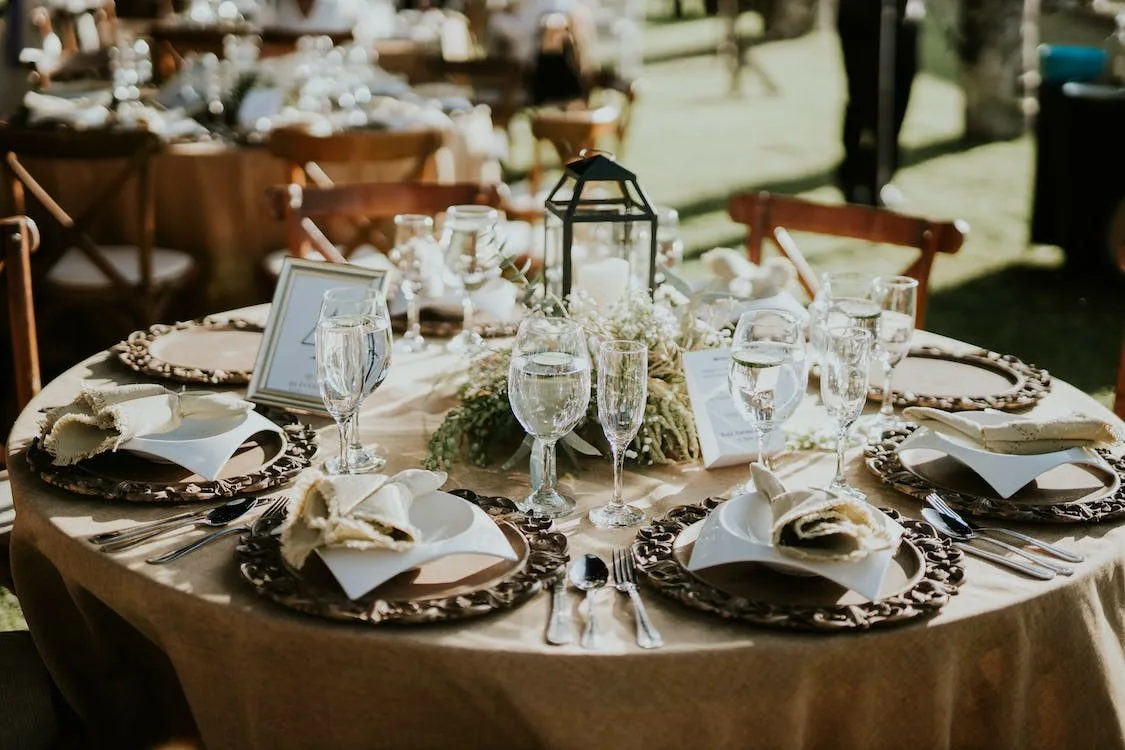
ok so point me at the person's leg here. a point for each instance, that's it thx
(906, 66)
(857, 23)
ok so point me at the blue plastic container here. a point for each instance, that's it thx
(1061, 64)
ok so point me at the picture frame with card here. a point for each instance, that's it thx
(285, 371)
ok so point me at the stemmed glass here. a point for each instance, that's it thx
(843, 298)
(364, 309)
(414, 237)
(472, 251)
(622, 394)
(898, 298)
(549, 390)
(843, 388)
(767, 375)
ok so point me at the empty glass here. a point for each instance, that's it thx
(846, 359)
(622, 394)
(414, 238)
(365, 309)
(471, 245)
(340, 355)
(549, 391)
(897, 296)
(844, 298)
(767, 375)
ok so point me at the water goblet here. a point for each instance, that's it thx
(549, 391)
(469, 240)
(622, 394)
(767, 374)
(843, 388)
(897, 296)
(364, 308)
(414, 238)
(340, 354)
(843, 298)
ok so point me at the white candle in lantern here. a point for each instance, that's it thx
(605, 281)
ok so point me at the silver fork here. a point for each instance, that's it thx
(275, 512)
(625, 580)
(941, 506)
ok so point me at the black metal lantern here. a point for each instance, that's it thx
(599, 198)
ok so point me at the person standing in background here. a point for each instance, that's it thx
(859, 24)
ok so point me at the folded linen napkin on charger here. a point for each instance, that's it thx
(1023, 436)
(818, 525)
(100, 419)
(358, 511)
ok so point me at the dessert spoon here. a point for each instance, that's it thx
(589, 573)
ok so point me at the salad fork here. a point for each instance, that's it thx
(937, 503)
(271, 516)
(625, 581)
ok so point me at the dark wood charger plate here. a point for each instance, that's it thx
(450, 588)
(1072, 493)
(211, 351)
(925, 573)
(971, 381)
(266, 460)
(437, 326)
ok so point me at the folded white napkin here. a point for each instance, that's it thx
(356, 511)
(745, 279)
(1023, 436)
(818, 525)
(101, 419)
(85, 112)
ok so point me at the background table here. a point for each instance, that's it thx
(143, 651)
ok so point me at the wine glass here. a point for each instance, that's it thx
(365, 308)
(767, 375)
(843, 298)
(340, 353)
(897, 296)
(414, 237)
(843, 388)
(622, 394)
(472, 251)
(549, 390)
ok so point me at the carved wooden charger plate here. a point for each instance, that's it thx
(924, 574)
(214, 351)
(265, 460)
(1072, 493)
(435, 326)
(450, 588)
(972, 381)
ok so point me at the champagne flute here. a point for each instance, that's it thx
(549, 391)
(767, 375)
(366, 308)
(340, 353)
(843, 298)
(898, 298)
(414, 237)
(843, 388)
(622, 395)
(472, 252)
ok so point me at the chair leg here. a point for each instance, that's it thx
(1119, 398)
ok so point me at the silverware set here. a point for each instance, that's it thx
(588, 574)
(950, 523)
(218, 518)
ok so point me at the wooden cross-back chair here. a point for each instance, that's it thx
(19, 238)
(81, 35)
(498, 82)
(138, 280)
(569, 131)
(773, 216)
(302, 207)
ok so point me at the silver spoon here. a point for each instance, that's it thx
(964, 533)
(180, 520)
(589, 573)
(1034, 570)
(215, 518)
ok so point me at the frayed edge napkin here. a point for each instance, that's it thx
(1023, 436)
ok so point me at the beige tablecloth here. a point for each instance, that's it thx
(144, 652)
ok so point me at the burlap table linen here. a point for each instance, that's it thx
(210, 201)
(144, 652)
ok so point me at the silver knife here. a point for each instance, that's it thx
(560, 628)
(1035, 571)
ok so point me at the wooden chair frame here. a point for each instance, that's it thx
(772, 216)
(19, 238)
(569, 132)
(300, 207)
(136, 149)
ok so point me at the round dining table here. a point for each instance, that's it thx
(147, 653)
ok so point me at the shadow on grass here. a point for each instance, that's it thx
(1069, 323)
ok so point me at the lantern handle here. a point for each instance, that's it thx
(586, 153)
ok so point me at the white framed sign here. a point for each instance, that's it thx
(285, 371)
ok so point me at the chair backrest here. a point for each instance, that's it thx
(499, 82)
(75, 38)
(771, 216)
(569, 132)
(134, 149)
(19, 237)
(302, 207)
(304, 152)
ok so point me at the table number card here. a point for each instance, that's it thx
(285, 370)
(724, 436)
